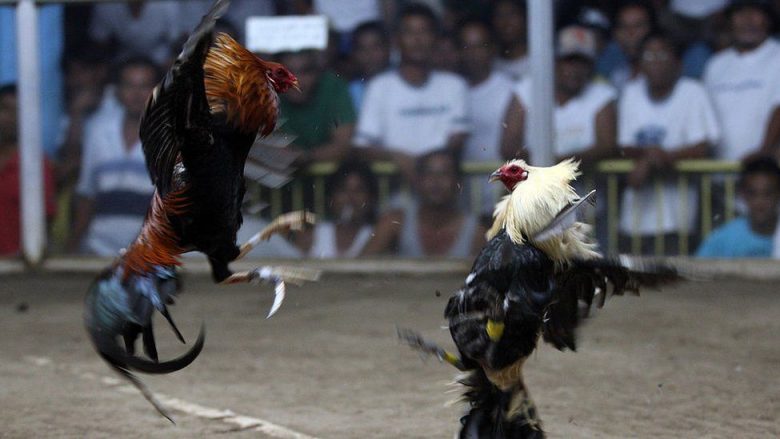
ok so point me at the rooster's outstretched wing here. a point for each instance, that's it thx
(179, 104)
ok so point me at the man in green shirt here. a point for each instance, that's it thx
(321, 116)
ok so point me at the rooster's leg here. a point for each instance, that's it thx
(279, 276)
(283, 223)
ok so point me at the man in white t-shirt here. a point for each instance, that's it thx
(494, 111)
(744, 83)
(663, 118)
(585, 109)
(412, 110)
(114, 188)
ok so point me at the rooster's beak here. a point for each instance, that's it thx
(295, 86)
(495, 176)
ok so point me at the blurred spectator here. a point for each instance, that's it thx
(138, 28)
(595, 20)
(353, 194)
(494, 111)
(321, 115)
(50, 47)
(86, 74)
(446, 56)
(114, 187)
(744, 82)
(697, 24)
(510, 25)
(619, 62)
(10, 198)
(411, 110)
(750, 236)
(663, 118)
(370, 56)
(692, 18)
(431, 223)
(585, 111)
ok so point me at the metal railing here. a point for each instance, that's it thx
(703, 175)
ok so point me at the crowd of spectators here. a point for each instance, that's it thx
(425, 85)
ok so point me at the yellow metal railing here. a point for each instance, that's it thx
(705, 175)
(707, 172)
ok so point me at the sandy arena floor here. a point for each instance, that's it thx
(702, 360)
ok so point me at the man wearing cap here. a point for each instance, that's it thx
(585, 115)
(744, 82)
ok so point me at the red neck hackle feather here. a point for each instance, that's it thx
(237, 86)
(157, 244)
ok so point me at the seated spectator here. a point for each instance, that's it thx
(750, 236)
(494, 111)
(510, 24)
(138, 28)
(743, 83)
(320, 116)
(619, 62)
(353, 194)
(663, 118)
(431, 224)
(10, 197)
(412, 110)
(585, 114)
(114, 187)
(370, 57)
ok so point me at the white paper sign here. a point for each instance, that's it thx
(286, 33)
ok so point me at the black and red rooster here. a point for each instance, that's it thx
(197, 130)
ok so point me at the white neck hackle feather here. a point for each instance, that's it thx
(534, 202)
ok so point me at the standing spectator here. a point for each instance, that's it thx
(619, 62)
(411, 110)
(50, 48)
(510, 25)
(744, 83)
(114, 187)
(494, 111)
(353, 193)
(585, 111)
(321, 115)
(370, 57)
(432, 224)
(138, 28)
(10, 202)
(663, 118)
(750, 236)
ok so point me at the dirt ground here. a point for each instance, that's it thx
(701, 360)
